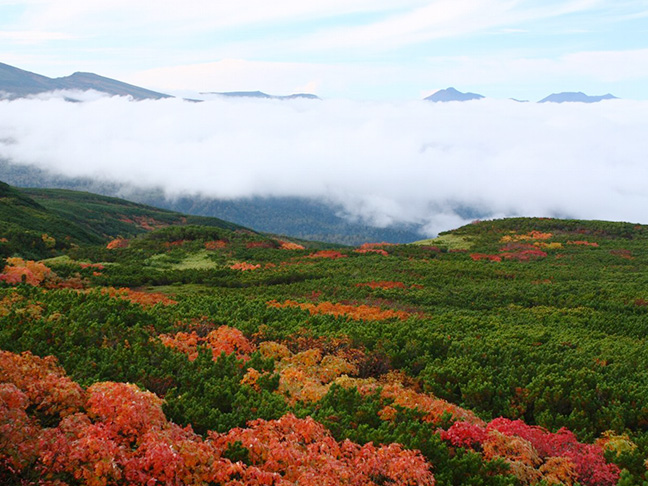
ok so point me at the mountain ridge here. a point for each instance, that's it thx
(18, 83)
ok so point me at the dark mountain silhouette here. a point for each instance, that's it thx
(17, 83)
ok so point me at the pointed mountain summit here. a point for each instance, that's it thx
(17, 83)
(573, 97)
(451, 94)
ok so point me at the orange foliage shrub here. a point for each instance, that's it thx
(224, 339)
(175, 244)
(259, 244)
(184, 342)
(125, 439)
(627, 254)
(372, 250)
(383, 284)
(244, 266)
(583, 243)
(288, 245)
(215, 245)
(145, 299)
(124, 408)
(434, 408)
(98, 266)
(18, 270)
(18, 431)
(303, 452)
(532, 235)
(358, 313)
(117, 243)
(43, 381)
(331, 254)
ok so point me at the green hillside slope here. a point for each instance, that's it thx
(72, 217)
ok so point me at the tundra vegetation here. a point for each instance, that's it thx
(506, 352)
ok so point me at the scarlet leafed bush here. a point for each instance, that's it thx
(524, 255)
(465, 434)
(484, 256)
(588, 459)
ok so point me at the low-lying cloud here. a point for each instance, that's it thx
(408, 162)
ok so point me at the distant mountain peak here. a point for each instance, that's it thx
(261, 94)
(576, 97)
(452, 94)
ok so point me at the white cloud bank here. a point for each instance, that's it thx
(414, 162)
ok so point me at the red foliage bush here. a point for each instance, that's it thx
(484, 256)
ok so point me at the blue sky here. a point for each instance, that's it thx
(356, 49)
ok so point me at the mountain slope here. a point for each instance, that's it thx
(72, 217)
(17, 83)
(87, 81)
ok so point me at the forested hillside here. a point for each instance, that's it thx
(502, 353)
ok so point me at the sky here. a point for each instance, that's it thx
(372, 145)
(383, 50)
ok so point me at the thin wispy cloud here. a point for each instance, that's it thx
(407, 39)
(416, 162)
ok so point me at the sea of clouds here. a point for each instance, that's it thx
(417, 162)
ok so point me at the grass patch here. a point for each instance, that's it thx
(451, 242)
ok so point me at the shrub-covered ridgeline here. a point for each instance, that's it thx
(502, 353)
